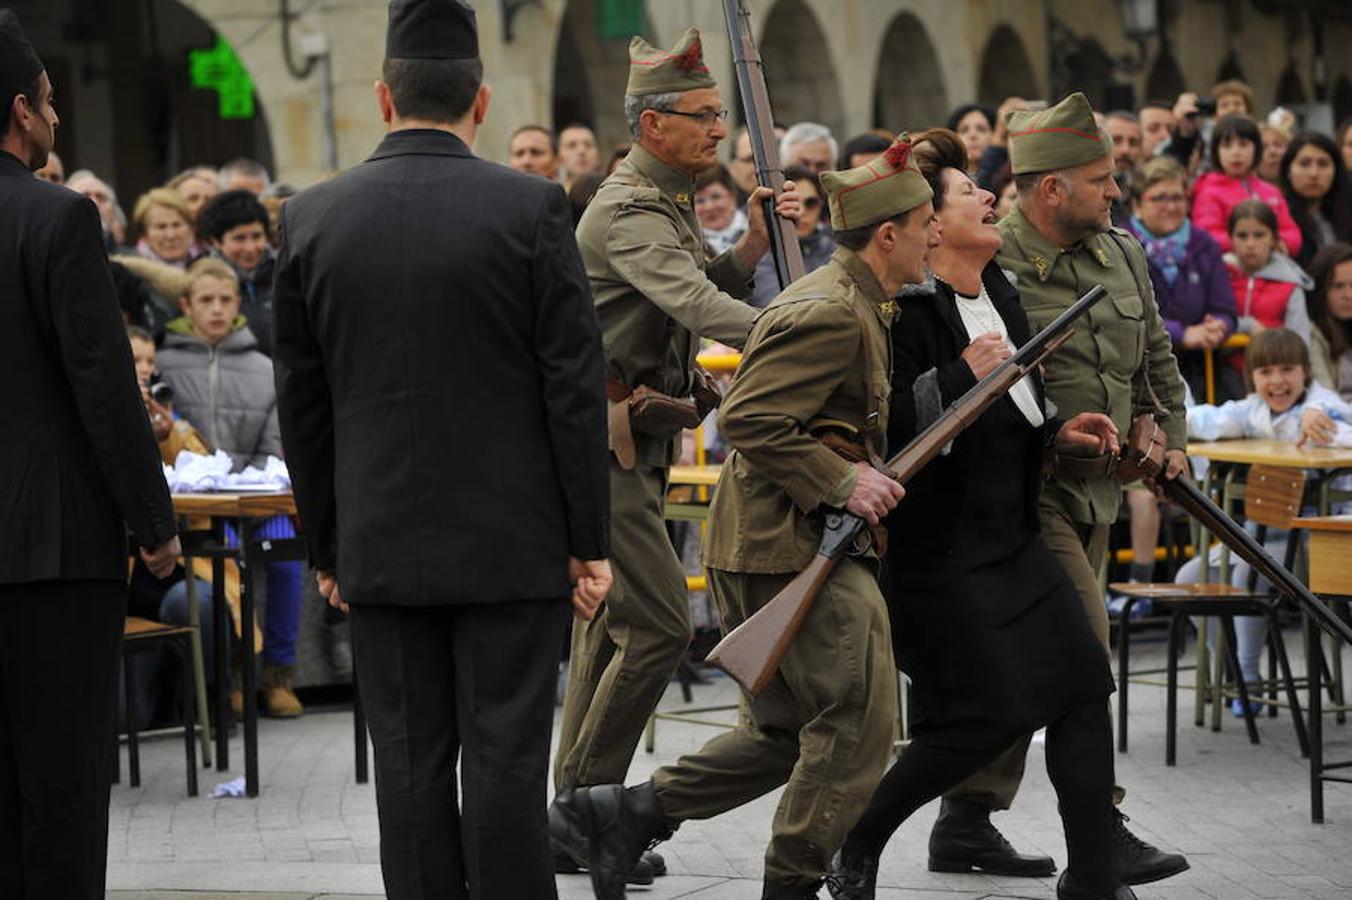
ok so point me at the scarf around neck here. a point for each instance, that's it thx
(1165, 252)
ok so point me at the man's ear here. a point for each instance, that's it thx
(482, 99)
(384, 102)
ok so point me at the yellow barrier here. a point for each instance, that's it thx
(1233, 342)
(719, 363)
(1126, 557)
(694, 582)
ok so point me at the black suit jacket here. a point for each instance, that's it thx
(439, 379)
(77, 458)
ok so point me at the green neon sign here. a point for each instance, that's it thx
(219, 69)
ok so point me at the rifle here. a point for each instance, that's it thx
(1232, 534)
(752, 652)
(760, 127)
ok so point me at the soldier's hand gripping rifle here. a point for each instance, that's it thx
(752, 651)
(1232, 534)
(760, 127)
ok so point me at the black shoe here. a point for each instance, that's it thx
(653, 860)
(620, 824)
(1067, 888)
(964, 840)
(569, 843)
(789, 892)
(1136, 861)
(854, 875)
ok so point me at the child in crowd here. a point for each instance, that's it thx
(1285, 405)
(1236, 149)
(234, 225)
(224, 386)
(1269, 287)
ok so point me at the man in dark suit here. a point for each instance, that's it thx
(77, 460)
(441, 395)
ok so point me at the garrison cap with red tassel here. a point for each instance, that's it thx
(885, 186)
(682, 68)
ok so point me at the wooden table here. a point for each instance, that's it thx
(244, 510)
(1330, 574)
(1273, 453)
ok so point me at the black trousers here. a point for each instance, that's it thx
(59, 643)
(477, 682)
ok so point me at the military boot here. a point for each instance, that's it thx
(854, 875)
(569, 843)
(1067, 888)
(963, 840)
(279, 700)
(1137, 862)
(620, 823)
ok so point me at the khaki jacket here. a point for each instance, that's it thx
(656, 289)
(820, 354)
(1098, 369)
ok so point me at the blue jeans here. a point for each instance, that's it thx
(285, 594)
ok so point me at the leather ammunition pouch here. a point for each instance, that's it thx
(1141, 456)
(651, 413)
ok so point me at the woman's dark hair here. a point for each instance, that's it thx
(956, 116)
(1336, 205)
(1241, 127)
(434, 90)
(228, 211)
(1325, 265)
(581, 193)
(798, 175)
(937, 149)
(715, 174)
(868, 142)
(1276, 347)
(1252, 209)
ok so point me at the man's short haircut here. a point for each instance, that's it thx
(30, 93)
(857, 239)
(582, 125)
(868, 142)
(549, 135)
(1241, 127)
(1234, 86)
(937, 149)
(230, 210)
(433, 90)
(160, 196)
(208, 267)
(1155, 104)
(136, 331)
(1276, 347)
(1027, 182)
(807, 133)
(249, 168)
(634, 106)
(1123, 115)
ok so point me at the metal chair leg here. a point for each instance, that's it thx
(1289, 681)
(133, 750)
(198, 663)
(1232, 652)
(1314, 663)
(188, 705)
(1176, 625)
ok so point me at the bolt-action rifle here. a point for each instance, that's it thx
(752, 651)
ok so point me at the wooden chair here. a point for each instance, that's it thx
(1272, 499)
(143, 636)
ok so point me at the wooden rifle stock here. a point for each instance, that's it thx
(1246, 546)
(760, 127)
(751, 652)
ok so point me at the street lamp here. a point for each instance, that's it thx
(1140, 19)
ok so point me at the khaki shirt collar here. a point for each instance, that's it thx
(1043, 254)
(867, 282)
(676, 184)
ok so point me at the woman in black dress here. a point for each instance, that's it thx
(985, 622)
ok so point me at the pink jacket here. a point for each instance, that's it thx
(1215, 194)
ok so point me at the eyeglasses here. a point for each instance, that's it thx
(705, 117)
(812, 203)
(1166, 199)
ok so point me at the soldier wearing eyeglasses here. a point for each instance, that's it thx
(657, 293)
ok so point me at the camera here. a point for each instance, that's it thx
(160, 391)
(1206, 106)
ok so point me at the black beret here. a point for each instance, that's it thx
(431, 29)
(19, 63)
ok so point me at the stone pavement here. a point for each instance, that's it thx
(1240, 813)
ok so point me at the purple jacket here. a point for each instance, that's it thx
(1202, 286)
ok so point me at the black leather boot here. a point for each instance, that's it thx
(964, 840)
(1137, 862)
(620, 824)
(854, 875)
(1067, 888)
(569, 843)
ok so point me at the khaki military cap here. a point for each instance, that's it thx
(682, 68)
(1060, 137)
(885, 186)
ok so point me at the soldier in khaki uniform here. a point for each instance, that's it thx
(819, 358)
(657, 292)
(1058, 243)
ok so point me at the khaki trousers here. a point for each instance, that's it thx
(1081, 550)
(823, 725)
(623, 659)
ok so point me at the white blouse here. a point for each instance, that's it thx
(979, 317)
